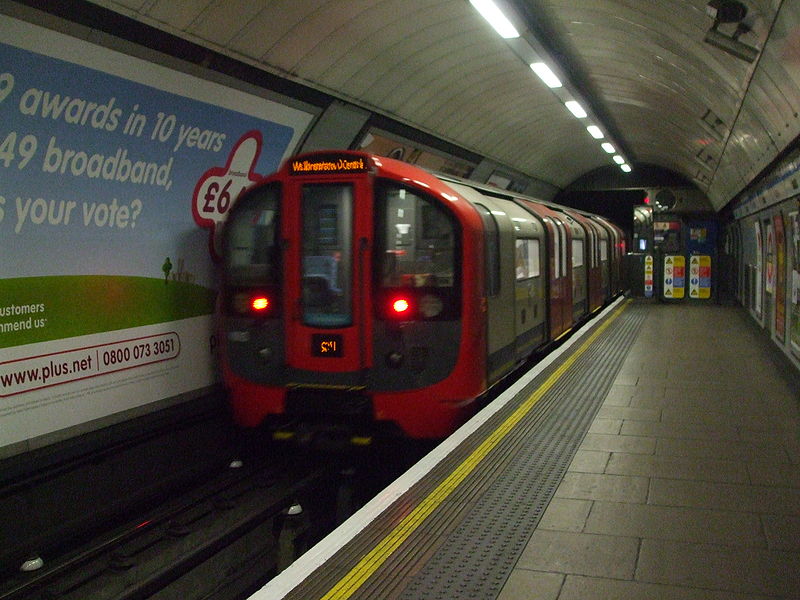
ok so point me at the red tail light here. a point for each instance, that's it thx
(401, 306)
(253, 303)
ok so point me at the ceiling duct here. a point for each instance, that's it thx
(726, 12)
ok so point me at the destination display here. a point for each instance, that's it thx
(332, 164)
(326, 346)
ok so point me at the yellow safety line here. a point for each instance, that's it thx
(372, 561)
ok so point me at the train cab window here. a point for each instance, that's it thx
(492, 245)
(417, 249)
(327, 255)
(252, 252)
(527, 259)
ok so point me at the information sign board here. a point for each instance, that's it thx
(700, 277)
(674, 277)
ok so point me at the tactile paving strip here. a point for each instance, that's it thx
(477, 558)
(468, 545)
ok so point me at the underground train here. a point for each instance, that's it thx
(364, 292)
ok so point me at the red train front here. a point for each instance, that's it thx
(353, 295)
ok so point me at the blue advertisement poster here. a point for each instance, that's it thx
(114, 173)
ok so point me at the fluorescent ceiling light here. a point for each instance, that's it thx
(575, 108)
(608, 147)
(546, 75)
(625, 168)
(595, 132)
(619, 160)
(496, 18)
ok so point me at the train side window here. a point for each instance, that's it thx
(252, 249)
(598, 246)
(577, 253)
(562, 251)
(527, 259)
(492, 250)
(591, 236)
(557, 250)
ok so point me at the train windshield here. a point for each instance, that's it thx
(327, 255)
(417, 246)
(252, 253)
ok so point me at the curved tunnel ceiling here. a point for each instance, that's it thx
(667, 97)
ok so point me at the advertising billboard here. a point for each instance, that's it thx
(114, 173)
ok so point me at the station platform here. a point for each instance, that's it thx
(656, 456)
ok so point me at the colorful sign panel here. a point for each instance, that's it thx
(700, 277)
(702, 238)
(698, 235)
(648, 276)
(674, 276)
(110, 168)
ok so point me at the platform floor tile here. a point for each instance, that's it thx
(687, 485)
(596, 588)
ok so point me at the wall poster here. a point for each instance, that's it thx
(759, 269)
(769, 285)
(794, 310)
(111, 171)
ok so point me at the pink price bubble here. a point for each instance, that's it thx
(219, 187)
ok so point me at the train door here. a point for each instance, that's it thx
(564, 271)
(616, 244)
(499, 233)
(559, 279)
(591, 270)
(583, 244)
(604, 263)
(529, 318)
(327, 233)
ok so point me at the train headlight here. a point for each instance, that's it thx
(430, 306)
(394, 359)
(241, 303)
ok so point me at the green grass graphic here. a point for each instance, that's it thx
(85, 304)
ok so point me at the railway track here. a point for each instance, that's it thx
(217, 540)
(159, 513)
